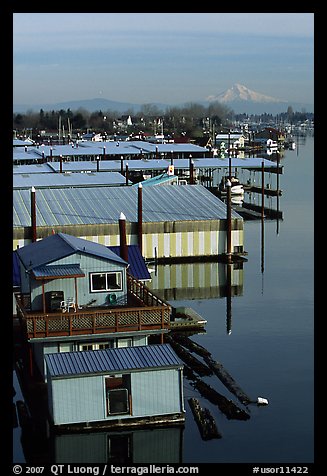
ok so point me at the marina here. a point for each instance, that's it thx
(216, 293)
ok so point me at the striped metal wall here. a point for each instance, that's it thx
(82, 399)
(169, 245)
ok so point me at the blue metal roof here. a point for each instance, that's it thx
(16, 270)
(62, 271)
(60, 245)
(162, 179)
(137, 266)
(122, 359)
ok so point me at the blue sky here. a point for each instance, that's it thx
(170, 58)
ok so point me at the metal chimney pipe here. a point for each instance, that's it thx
(122, 237)
(33, 214)
(140, 216)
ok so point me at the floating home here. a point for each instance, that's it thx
(175, 223)
(115, 387)
(77, 295)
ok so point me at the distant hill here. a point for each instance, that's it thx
(91, 105)
(239, 98)
(244, 100)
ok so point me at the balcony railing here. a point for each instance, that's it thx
(148, 312)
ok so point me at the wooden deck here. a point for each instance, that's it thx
(144, 311)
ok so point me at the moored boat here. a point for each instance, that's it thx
(236, 186)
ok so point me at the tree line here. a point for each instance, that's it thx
(190, 119)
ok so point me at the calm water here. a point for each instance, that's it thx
(269, 351)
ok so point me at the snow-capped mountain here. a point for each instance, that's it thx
(244, 100)
(238, 92)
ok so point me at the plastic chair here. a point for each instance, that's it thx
(71, 304)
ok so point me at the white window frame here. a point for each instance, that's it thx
(119, 279)
(95, 345)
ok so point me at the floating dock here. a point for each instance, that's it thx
(185, 318)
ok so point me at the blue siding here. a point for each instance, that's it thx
(82, 399)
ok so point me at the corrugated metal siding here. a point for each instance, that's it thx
(87, 263)
(156, 392)
(78, 400)
(82, 399)
(111, 360)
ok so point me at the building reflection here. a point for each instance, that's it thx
(159, 445)
(197, 281)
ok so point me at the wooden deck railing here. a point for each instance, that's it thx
(150, 312)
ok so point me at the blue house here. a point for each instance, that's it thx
(76, 295)
(115, 387)
(62, 267)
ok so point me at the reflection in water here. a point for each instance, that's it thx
(196, 281)
(159, 445)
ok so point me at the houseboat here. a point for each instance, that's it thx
(77, 303)
(115, 387)
(177, 222)
(77, 295)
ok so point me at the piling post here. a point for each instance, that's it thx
(191, 169)
(126, 173)
(98, 164)
(229, 166)
(172, 157)
(122, 165)
(33, 214)
(140, 215)
(104, 152)
(60, 164)
(229, 220)
(122, 237)
(191, 172)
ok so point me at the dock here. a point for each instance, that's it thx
(186, 318)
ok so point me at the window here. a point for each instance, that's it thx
(124, 342)
(86, 347)
(106, 281)
(117, 394)
(95, 346)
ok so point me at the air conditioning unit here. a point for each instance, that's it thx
(112, 298)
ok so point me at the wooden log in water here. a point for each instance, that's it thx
(199, 367)
(204, 419)
(191, 345)
(228, 380)
(228, 407)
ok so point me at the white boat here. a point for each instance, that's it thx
(236, 186)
